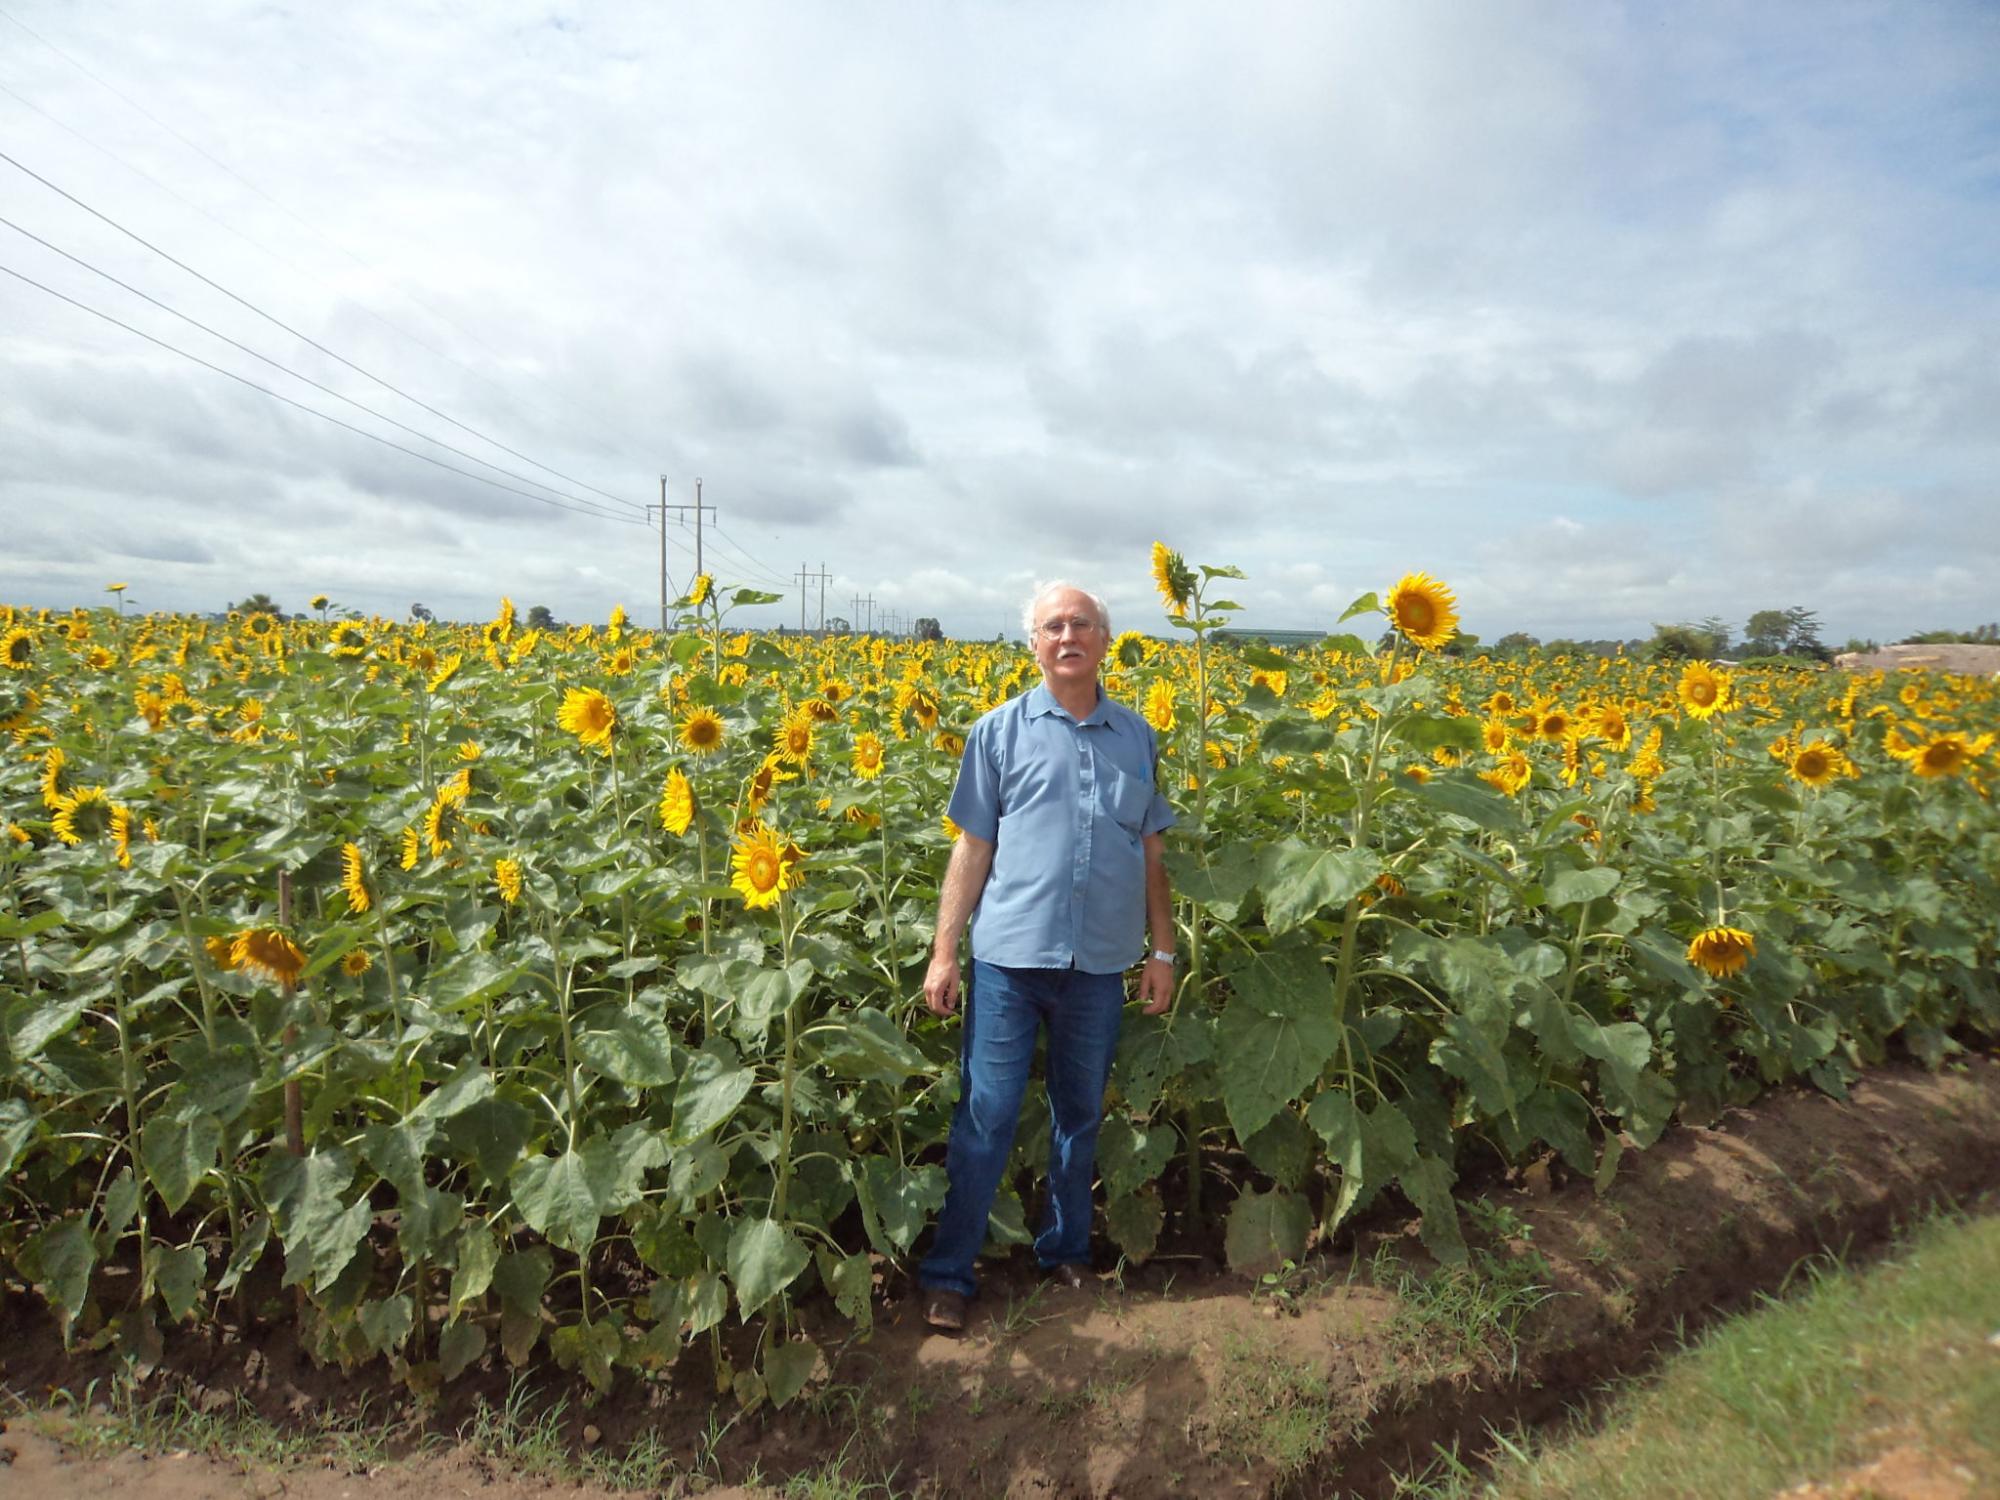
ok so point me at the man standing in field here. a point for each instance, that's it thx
(1059, 871)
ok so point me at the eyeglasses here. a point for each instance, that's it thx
(1052, 630)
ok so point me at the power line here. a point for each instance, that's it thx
(306, 338)
(317, 234)
(753, 570)
(309, 411)
(296, 375)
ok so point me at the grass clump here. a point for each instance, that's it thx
(1808, 1387)
(1270, 1409)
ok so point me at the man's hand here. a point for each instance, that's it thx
(941, 984)
(1156, 985)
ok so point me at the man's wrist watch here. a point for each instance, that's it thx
(1163, 956)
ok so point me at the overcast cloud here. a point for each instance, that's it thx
(1605, 314)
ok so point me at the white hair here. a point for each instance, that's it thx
(1029, 623)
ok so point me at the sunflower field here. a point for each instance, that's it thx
(473, 992)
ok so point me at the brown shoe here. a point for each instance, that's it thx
(944, 1309)
(1068, 1275)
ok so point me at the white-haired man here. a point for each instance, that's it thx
(1059, 873)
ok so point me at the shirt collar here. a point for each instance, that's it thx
(1041, 701)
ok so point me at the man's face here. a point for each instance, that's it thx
(1072, 655)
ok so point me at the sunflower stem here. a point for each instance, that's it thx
(785, 925)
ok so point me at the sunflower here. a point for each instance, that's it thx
(412, 846)
(501, 628)
(822, 710)
(1494, 734)
(267, 952)
(621, 662)
(507, 877)
(348, 639)
(447, 669)
(1552, 722)
(1423, 610)
(121, 835)
(868, 756)
(1159, 710)
(318, 601)
(763, 781)
(1609, 724)
(1946, 754)
(701, 732)
(589, 715)
(1722, 952)
(437, 828)
(353, 879)
(676, 803)
(221, 952)
(1129, 649)
(951, 830)
(1173, 579)
(19, 834)
(700, 589)
(468, 750)
(17, 649)
(1513, 773)
(1819, 764)
(356, 962)
(1703, 691)
(1276, 681)
(794, 737)
(766, 866)
(261, 625)
(53, 795)
(84, 813)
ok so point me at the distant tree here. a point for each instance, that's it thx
(1765, 634)
(258, 604)
(418, 612)
(539, 618)
(1979, 635)
(1802, 635)
(1515, 643)
(926, 629)
(1680, 642)
(1855, 644)
(838, 626)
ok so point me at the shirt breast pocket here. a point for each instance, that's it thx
(1126, 800)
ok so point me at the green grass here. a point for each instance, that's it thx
(1806, 1387)
(1269, 1409)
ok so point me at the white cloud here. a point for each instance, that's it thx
(1600, 320)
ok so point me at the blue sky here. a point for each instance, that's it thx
(1604, 314)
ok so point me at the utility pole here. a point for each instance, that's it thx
(870, 603)
(802, 576)
(823, 577)
(663, 508)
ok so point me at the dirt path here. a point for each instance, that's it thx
(1178, 1382)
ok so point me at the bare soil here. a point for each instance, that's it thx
(1175, 1379)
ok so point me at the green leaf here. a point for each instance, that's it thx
(179, 1271)
(1607, 1163)
(1574, 887)
(1130, 1154)
(1367, 604)
(492, 1132)
(519, 1279)
(60, 1258)
(591, 1347)
(896, 1200)
(634, 1048)
(320, 1234)
(177, 1152)
(565, 1196)
(1299, 880)
(17, 1128)
(1281, 1149)
(866, 1044)
(1134, 1221)
(1427, 1183)
(1470, 798)
(43, 1024)
(1266, 1230)
(708, 1301)
(386, 1324)
(764, 1259)
(1428, 732)
(787, 1368)
(397, 1152)
(711, 1086)
(1266, 1063)
(466, 1087)
(459, 1344)
(1347, 645)
(1369, 1148)
(851, 1280)
(478, 1254)
(1467, 1052)
(121, 1205)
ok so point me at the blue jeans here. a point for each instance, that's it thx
(1004, 1011)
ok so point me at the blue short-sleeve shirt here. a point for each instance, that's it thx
(1066, 804)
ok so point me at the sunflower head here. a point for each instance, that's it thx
(590, 716)
(793, 739)
(17, 649)
(354, 878)
(268, 953)
(85, 813)
(868, 756)
(507, 879)
(348, 639)
(700, 589)
(1703, 691)
(1423, 611)
(701, 732)
(1159, 708)
(766, 865)
(1173, 578)
(1721, 952)
(676, 803)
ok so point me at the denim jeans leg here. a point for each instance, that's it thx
(1083, 1039)
(1001, 1022)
